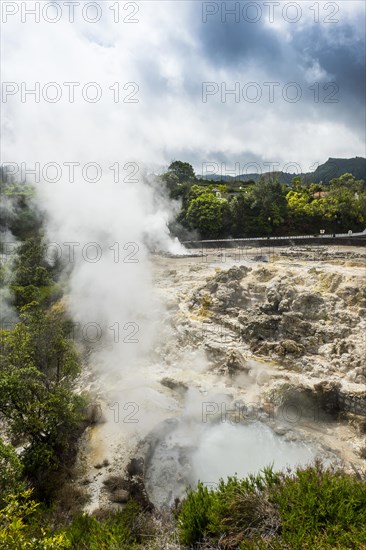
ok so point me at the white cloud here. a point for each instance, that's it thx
(162, 55)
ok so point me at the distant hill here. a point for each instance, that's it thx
(332, 168)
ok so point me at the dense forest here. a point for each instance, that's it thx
(42, 417)
(265, 207)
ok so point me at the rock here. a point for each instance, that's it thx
(280, 295)
(235, 273)
(263, 275)
(94, 413)
(262, 378)
(135, 467)
(120, 496)
(289, 347)
(273, 300)
(224, 290)
(354, 403)
(316, 402)
(265, 348)
(327, 393)
(293, 325)
(173, 384)
(229, 296)
(261, 327)
(101, 465)
(233, 364)
(312, 305)
(280, 430)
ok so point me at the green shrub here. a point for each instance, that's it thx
(194, 515)
(10, 471)
(234, 507)
(20, 528)
(318, 504)
(314, 508)
(118, 530)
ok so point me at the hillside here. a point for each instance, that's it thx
(332, 168)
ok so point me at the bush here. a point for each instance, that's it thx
(235, 507)
(194, 516)
(319, 505)
(315, 507)
(10, 471)
(116, 531)
(20, 530)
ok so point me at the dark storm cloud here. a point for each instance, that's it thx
(342, 55)
(289, 53)
(345, 62)
(231, 44)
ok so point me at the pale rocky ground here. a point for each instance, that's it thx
(280, 332)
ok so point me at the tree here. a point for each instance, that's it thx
(178, 179)
(10, 471)
(347, 203)
(37, 366)
(268, 199)
(206, 213)
(243, 216)
(182, 170)
(33, 280)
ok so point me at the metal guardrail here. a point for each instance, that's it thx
(353, 239)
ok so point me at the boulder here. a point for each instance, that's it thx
(234, 363)
(260, 327)
(289, 347)
(312, 305)
(173, 384)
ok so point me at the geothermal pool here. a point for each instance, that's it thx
(183, 453)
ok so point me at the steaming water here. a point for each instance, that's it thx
(184, 453)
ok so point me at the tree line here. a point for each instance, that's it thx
(266, 207)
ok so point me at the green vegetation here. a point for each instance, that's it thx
(122, 529)
(19, 214)
(313, 508)
(11, 472)
(266, 207)
(334, 168)
(37, 367)
(40, 415)
(34, 277)
(21, 526)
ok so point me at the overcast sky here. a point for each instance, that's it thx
(296, 70)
